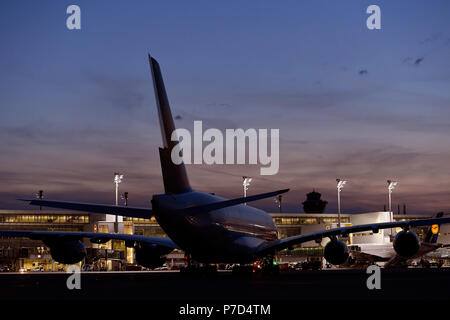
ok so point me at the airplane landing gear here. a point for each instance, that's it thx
(192, 267)
(199, 269)
(270, 266)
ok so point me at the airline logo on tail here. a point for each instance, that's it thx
(433, 232)
(435, 228)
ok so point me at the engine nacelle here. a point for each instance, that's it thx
(151, 256)
(336, 252)
(406, 244)
(67, 252)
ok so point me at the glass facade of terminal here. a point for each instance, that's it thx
(146, 227)
(47, 219)
(307, 220)
(152, 220)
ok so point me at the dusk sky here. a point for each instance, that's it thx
(363, 105)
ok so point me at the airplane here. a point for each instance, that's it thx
(208, 228)
(385, 252)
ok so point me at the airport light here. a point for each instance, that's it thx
(391, 187)
(340, 185)
(117, 179)
(246, 183)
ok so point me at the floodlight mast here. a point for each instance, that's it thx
(391, 187)
(340, 185)
(117, 179)
(246, 183)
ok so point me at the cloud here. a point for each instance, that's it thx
(367, 168)
(411, 123)
(123, 93)
(85, 173)
(431, 39)
(317, 97)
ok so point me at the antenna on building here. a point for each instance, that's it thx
(125, 198)
(278, 199)
(40, 196)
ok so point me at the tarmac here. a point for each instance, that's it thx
(169, 286)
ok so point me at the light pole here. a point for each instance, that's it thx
(128, 251)
(391, 187)
(340, 185)
(245, 183)
(117, 179)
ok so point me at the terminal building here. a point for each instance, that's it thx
(17, 253)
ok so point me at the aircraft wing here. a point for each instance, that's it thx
(397, 261)
(366, 256)
(93, 237)
(229, 203)
(136, 212)
(146, 213)
(281, 244)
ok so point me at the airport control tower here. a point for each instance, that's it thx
(313, 203)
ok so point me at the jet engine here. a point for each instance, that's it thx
(67, 252)
(336, 252)
(406, 244)
(151, 256)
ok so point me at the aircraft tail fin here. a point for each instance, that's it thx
(433, 231)
(174, 176)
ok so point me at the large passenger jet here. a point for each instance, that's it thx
(208, 228)
(385, 252)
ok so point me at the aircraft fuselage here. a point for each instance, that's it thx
(229, 234)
